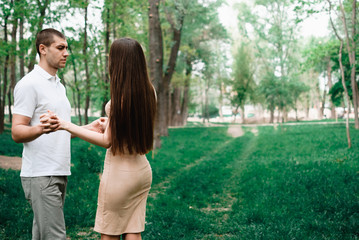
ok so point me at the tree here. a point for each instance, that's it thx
(6, 10)
(342, 69)
(321, 56)
(274, 32)
(155, 64)
(243, 85)
(42, 6)
(202, 29)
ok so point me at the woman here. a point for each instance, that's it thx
(127, 175)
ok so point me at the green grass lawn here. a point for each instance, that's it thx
(288, 182)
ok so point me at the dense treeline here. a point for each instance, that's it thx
(188, 51)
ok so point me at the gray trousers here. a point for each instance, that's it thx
(47, 197)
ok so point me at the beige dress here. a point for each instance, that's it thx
(122, 196)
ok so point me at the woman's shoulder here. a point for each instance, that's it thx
(107, 108)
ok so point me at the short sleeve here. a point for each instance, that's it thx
(24, 99)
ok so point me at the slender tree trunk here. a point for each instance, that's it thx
(185, 99)
(342, 71)
(77, 99)
(156, 63)
(296, 114)
(12, 61)
(175, 118)
(22, 52)
(330, 85)
(206, 102)
(2, 110)
(318, 102)
(170, 106)
(106, 78)
(114, 20)
(285, 115)
(221, 93)
(271, 119)
(84, 51)
(42, 11)
(346, 94)
(307, 107)
(176, 40)
(243, 113)
(323, 103)
(278, 117)
(351, 47)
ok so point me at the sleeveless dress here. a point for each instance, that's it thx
(123, 192)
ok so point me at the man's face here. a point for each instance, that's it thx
(56, 53)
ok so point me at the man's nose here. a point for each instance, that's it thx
(66, 53)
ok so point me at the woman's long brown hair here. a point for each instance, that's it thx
(133, 99)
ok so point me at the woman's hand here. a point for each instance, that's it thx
(99, 125)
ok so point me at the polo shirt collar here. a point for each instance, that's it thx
(45, 74)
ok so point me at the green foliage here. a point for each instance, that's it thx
(243, 85)
(337, 93)
(269, 29)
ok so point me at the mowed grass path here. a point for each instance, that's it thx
(292, 182)
(289, 182)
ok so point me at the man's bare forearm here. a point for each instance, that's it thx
(22, 133)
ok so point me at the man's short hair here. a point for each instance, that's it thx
(46, 37)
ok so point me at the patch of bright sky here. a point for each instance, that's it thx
(316, 25)
(76, 20)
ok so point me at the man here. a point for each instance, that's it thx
(46, 153)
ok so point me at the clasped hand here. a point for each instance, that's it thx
(51, 123)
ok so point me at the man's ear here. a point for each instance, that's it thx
(42, 49)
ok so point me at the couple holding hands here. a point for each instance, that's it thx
(42, 122)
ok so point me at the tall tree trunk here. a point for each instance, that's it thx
(87, 86)
(175, 110)
(330, 85)
(318, 102)
(42, 11)
(176, 40)
(3, 97)
(296, 110)
(106, 78)
(243, 113)
(342, 71)
(271, 119)
(346, 94)
(12, 61)
(156, 63)
(114, 20)
(185, 99)
(206, 103)
(77, 99)
(322, 107)
(351, 47)
(22, 52)
(221, 93)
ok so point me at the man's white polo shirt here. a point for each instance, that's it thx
(49, 154)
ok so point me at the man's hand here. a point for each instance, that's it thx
(22, 132)
(50, 122)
